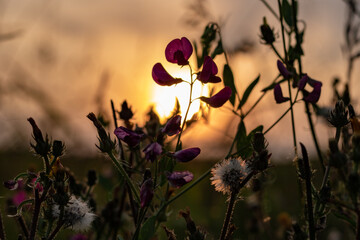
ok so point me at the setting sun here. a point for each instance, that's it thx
(165, 97)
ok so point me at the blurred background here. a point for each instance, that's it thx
(60, 60)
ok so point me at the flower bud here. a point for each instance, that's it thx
(58, 148)
(172, 127)
(126, 113)
(11, 184)
(338, 116)
(105, 142)
(267, 34)
(146, 192)
(186, 155)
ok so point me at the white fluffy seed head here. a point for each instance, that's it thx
(228, 175)
(77, 214)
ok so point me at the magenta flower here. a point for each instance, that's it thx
(131, 138)
(186, 155)
(283, 71)
(179, 179)
(146, 192)
(152, 151)
(279, 98)
(162, 77)
(179, 51)
(19, 197)
(172, 126)
(218, 99)
(209, 71)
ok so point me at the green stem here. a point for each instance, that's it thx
(309, 198)
(116, 126)
(228, 216)
(277, 53)
(124, 175)
(270, 8)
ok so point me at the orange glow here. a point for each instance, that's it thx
(165, 97)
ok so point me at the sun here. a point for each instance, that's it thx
(164, 97)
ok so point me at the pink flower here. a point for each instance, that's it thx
(179, 51)
(130, 137)
(314, 95)
(218, 99)
(279, 98)
(162, 77)
(146, 192)
(152, 151)
(172, 126)
(19, 197)
(179, 179)
(186, 155)
(209, 71)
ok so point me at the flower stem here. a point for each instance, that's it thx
(187, 110)
(2, 231)
(116, 126)
(228, 216)
(124, 175)
(23, 227)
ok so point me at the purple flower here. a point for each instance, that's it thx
(19, 197)
(130, 137)
(302, 82)
(162, 77)
(179, 51)
(186, 155)
(218, 99)
(209, 71)
(279, 98)
(172, 126)
(152, 151)
(283, 71)
(146, 192)
(11, 184)
(179, 179)
(314, 95)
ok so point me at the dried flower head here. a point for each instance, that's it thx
(77, 214)
(228, 175)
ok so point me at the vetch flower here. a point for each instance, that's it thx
(146, 192)
(179, 179)
(218, 99)
(11, 184)
(172, 126)
(19, 197)
(314, 95)
(228, 175)
(279, 98)
(179, 51)
(283, 71)
(162, 77)
(152, 151)
(77, 214)
(209, 71)
(186, 155)
(128, 136)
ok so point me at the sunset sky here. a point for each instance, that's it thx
(65, 54)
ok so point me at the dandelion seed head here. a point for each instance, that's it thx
(228, 175)
(77, 214)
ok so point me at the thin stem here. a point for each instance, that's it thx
(35, 217)
(270, 8)
(281, 117)
(2, 230)
(309, 198)
(56, 230)
(116, 126)
(228, 215)
(337, 135)
(357, 225)
(277, 53)
(187, 110)
(23, 227)
(124, 175)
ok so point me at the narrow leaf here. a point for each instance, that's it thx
(287, 12)
(229, 81)
(218, 50)
(272, 85)
(248, 91)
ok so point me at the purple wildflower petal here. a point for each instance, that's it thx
(314, 96)
(279, 98)
(130, 137)
(11, 184)
(146, 192)
(179, 179)
(209, 71)
(283, 71)
(172, 126)
(186, 155)
(152, 151)
(162, 77)
(302, 82)
(179, 51)
(19, 197)
(218, 99)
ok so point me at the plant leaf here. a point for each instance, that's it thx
(272, 85)
(229, 81)
(248, 91)
(218, 50)
(286, 9)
